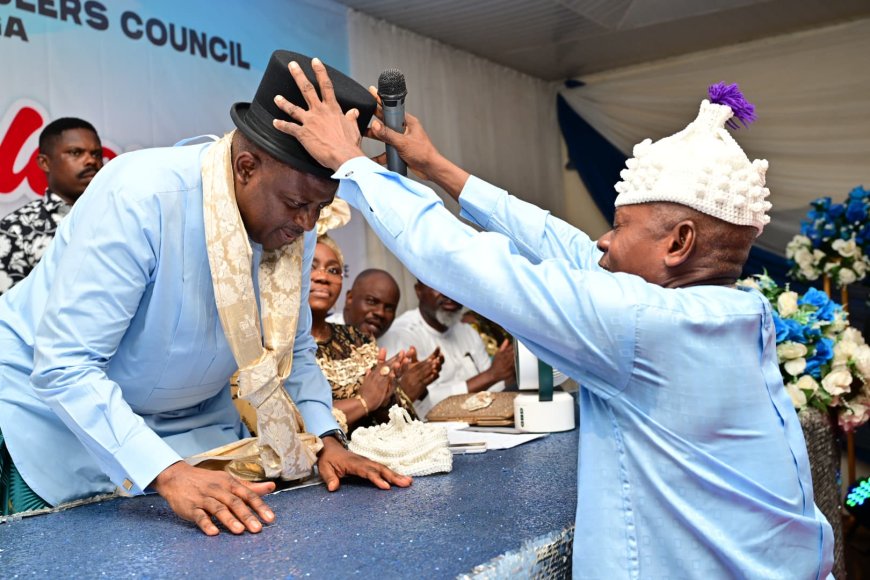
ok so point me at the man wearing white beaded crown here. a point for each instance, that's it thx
(692, 463)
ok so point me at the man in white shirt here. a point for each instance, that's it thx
(370, 306)
(467, 367)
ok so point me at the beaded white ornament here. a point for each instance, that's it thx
(478, 401)
(405, 445)
(701, 167)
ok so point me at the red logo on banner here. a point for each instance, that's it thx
(26, 123)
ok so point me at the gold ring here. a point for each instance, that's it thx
(385, 370)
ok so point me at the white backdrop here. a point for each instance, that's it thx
(812, 96)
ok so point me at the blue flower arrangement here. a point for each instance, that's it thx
(824, 362)
(834, 240)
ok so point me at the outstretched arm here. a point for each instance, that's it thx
(537, 234)
(578, 320)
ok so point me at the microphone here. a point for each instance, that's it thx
(392, 91)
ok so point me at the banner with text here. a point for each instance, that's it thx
(143, 73)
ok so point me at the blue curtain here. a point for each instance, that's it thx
(595, 158)
(599, 162)
(776, 266)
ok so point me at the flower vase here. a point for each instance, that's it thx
(824, 455)
(844, 292)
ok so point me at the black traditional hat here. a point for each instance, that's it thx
(254, 119)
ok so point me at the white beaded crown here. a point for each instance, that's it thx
(702, 167)
(405, 445)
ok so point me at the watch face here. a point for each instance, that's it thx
(339, 435)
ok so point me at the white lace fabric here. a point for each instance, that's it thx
(405, 445)
(701, 167)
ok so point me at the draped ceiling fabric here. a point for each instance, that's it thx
(493, 121)
(810, 90)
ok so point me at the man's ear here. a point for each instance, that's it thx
(681, 243)
(245, 165)
(348, 297)
(43, 163)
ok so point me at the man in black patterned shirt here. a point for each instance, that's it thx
(70, 153)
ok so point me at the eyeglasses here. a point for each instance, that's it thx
(331, 271)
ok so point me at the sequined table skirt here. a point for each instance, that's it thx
(491, 508)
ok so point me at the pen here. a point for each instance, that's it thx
(464, 448)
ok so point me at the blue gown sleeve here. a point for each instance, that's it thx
(536, 232)
(105, 269)
(581, 321)
(306, 384)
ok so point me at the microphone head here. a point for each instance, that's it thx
(391, 84)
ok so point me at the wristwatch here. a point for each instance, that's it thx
(338, 434)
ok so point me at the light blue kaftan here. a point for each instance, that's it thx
(692, 462)
(113, 362)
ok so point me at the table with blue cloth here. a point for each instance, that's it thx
(498, 502)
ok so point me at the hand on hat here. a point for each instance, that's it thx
(333, 137)
(330, 136)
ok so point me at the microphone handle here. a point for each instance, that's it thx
(394, 118)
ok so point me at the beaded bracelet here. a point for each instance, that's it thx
(363, 401)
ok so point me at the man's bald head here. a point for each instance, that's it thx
(365, 275)
(371, 302)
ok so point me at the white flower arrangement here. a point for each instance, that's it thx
(834, 241)
(824, 362)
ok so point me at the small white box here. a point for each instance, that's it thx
(535, 416)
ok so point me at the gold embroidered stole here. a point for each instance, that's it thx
(282, 448)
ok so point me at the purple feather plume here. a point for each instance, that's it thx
(730, 96)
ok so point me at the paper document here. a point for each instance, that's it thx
(492, 440)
